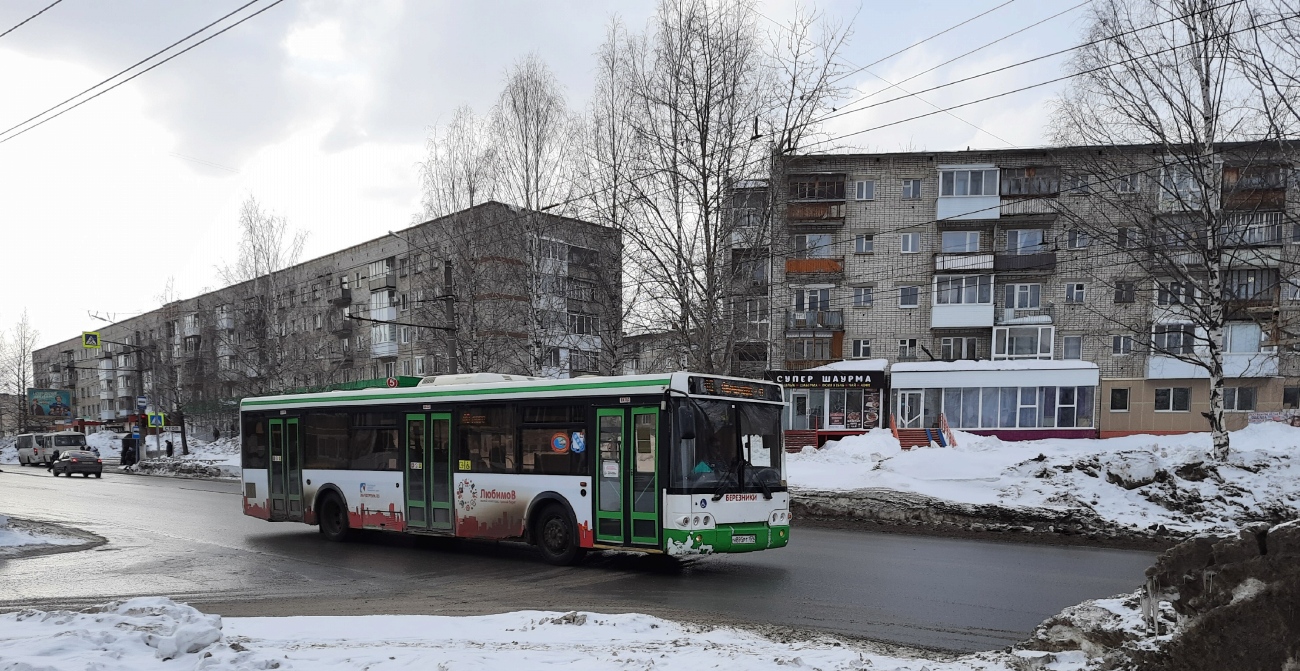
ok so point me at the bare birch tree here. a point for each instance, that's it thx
(1187, 222)
(16, 367)
(460, 169)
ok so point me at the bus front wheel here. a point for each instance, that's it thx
(334, 519)
(557, 538)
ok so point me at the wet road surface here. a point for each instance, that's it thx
(188, 539)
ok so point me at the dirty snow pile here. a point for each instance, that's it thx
(8, 452)
(157, 633)
(13, 537)
(108, 443)
(213, 459)
(1135, 482)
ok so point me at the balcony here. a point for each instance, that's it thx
(339, 295)
(962, 262)
(1016, 316)
(817, 266)
(107, 395)
(948, 208)
(383, 350)
(385, 281)
(961, 315)
(815, 212)
(1043, 262)
(815, 319)
(1023, 206)
(1235, 365)
(387, 314)
(1245, 229)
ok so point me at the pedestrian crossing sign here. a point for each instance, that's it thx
(90, 339)
(156, 420)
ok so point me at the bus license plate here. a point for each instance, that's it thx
(743, 539)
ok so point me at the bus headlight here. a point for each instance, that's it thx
(696, 520)
(708, 520)
(684, 521)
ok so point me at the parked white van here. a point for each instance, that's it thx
(39, 448)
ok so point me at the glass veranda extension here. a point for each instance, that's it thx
(678, 463)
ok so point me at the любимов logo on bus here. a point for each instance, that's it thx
(468, 495)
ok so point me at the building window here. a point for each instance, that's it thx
(911, 189)
(1072, 347)
(864, 189)
(1074, 292)
(817, 187)
(1174, 338)
(403, 266)
(1125, 292)
(1031, 181)
(812, 300)
(1248, 285)
(1175, 293)
(1173, 399)
(909, 297)
(1027, 241)
(907, 348)
(968, 182)
(1291, 398)
(968, 289)
(862, 349)
(1022, 342)
(1023, 296)
(808, 349)
(812, 246)
(862, 297)
(1119, 399)
(1077, 239)
(1239, 399)
(582, 324)
(1128, 184)
(1243, 338)
(406, 365)
(961, 242)
(1123, 238)
(419, 365)
(1078, 185)
(957, 348)
(910, 243)
(864, 244)
(390, 369)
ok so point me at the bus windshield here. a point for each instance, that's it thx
(70, 441)
(736, 448)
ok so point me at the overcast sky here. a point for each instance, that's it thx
(320, 109)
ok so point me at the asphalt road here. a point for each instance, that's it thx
(187, 539)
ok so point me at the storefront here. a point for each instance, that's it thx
(1014, 400)
(839, 399)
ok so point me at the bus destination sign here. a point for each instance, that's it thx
(713, 386)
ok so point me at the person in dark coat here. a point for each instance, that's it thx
(170, 450)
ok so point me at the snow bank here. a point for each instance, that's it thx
(8, 452)
(157, 633)
(213, 459)
(108, 443)
(1136, 482)
(12, 538)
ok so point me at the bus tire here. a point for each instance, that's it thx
(333, 519)
(556, 536)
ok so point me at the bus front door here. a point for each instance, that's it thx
(627, 496)
(286, 471)
(428, 471)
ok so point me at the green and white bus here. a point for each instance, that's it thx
(678, 463)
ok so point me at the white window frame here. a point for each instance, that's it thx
(958, 348)
(950, 183)
(1076, 292)
(863, 296)
(864, 189)
(1065, 346)
(861, 348)
(1156, 399)
(1128, 399)
(419, 365)
(907, 348)
(1077, 238)
(1016, 244)
(962, 283)
(903, 290)
(1128, 184)
(864, 243)
(911, 189)
(1002, 341)
(912, 240)
(968, 237)
(1024, 293)
(1232, 399)
(803, 250)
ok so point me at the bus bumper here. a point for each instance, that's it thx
(726, 538)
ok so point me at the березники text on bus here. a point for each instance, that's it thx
(679, 463)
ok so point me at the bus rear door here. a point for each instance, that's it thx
(286, 470)
(428, 471)
(627, 496)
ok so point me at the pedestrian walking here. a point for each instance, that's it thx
(170, 450)
(50, 466)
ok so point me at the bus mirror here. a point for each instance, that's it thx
(686, 420)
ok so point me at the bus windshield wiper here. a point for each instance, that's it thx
(732, 471)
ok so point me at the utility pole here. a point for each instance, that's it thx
(449, 301)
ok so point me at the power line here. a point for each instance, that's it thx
(128, 69)
(20, 23)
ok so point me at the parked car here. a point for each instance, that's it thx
(78, 461)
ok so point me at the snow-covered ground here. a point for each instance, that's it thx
(13, 538)
(8, 453)
(1136, 482)
(218, 458)
(157, 633)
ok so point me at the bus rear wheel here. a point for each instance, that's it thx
(334, 519)
(555, 535)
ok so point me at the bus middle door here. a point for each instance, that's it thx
(428, 471)
(286, 470)
(627, 496)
